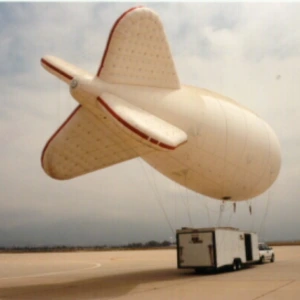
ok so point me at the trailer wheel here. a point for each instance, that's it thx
(239, 264)
(233, 267)
(236, 265)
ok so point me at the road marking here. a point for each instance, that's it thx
(95, 266)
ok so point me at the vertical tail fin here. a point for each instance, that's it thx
(138, 53)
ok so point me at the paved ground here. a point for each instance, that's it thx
(142, 275)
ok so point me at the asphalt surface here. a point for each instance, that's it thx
(147, 274)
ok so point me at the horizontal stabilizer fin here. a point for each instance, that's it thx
(143, 124)
(87, 142)
(61, 69)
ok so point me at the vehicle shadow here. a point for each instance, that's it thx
(103, 287)
(110, 286)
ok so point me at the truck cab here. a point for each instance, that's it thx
(266, 253)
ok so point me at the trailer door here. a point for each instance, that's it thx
(248, 247)
(196, 249)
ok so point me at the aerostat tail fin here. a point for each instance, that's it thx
(138, 53)
(61, 69)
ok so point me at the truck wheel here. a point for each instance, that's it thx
(273, 258)
(262, 260)
(239, 264)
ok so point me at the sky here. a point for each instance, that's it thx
(249, 52)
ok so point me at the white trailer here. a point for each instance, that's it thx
(213, 248)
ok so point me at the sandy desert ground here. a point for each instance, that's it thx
(145, 274)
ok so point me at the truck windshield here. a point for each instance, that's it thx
(263, 247)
